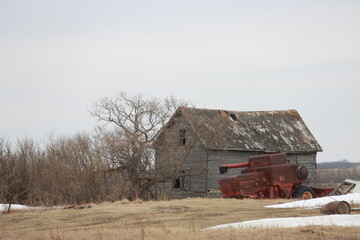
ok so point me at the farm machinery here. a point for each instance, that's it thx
(268, 176)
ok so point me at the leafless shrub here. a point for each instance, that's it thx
(14, 170)
(67, 170)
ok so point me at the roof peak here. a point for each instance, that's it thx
(227, 110)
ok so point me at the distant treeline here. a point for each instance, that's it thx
(333, 173)
(68, 170)
(334, 176)
(338, 164)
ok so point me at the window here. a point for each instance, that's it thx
(183, 137)
(177, 183)
(182, 182)
(233, 116)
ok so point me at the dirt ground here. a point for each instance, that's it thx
(175, 219)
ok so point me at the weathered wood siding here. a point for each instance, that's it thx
(190, 157)
(205, 183)
(195, 166)
(170, 154)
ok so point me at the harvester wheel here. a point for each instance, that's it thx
(304, 192)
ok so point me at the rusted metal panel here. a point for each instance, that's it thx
(249, 185)
(268, 160)
(267, 176)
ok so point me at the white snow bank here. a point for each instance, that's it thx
(328, 220)
(352, 198)
(4, 207)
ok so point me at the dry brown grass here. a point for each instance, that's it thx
(176, 219)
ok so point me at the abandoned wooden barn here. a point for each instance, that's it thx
(195, 142)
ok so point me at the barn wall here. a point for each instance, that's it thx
(195, 167)
(206, 185)
(173, 157)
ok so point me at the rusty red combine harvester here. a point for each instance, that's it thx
(268, 176)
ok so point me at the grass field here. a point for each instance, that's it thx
(175, 219)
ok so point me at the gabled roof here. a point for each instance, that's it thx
(267, 131)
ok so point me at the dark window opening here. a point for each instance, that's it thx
(233, 116)
(183, 137)
(182, 182)
(177, 183)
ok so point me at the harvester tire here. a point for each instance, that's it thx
(304, 192)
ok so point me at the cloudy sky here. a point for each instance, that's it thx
(58, 57)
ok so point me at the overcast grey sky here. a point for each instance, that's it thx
(57, 57)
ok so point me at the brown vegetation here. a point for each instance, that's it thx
(66, 170)
(114, 162)
(175, 219)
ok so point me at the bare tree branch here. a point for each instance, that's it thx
(131, 124)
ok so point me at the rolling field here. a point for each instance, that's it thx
(175, 219)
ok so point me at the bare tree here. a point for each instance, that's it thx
(131, 124)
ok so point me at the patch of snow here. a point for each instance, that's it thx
(329, 220)
(352, 198)
(4, 207)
